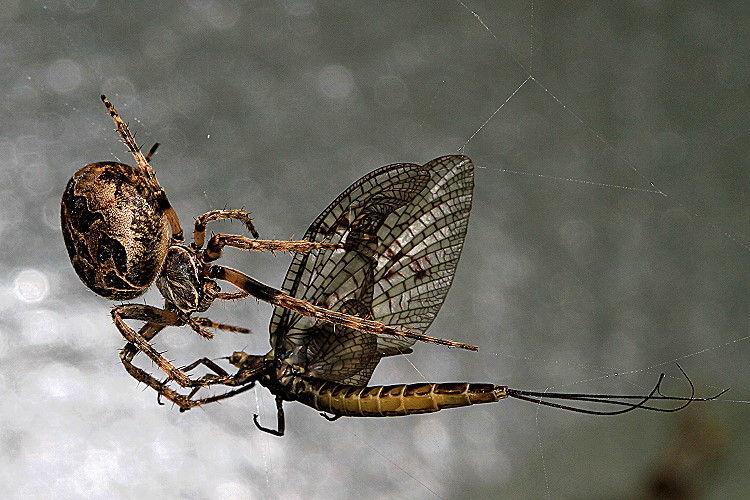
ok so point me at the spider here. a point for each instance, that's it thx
(122, 235)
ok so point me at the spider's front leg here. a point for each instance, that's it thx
(163, 390)
(147, 332)
(244, 380)
(219, 241)
(199, 231)
(276, 297)
(156, 319)
(184, 402)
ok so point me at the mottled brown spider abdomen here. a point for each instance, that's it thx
(115, 231)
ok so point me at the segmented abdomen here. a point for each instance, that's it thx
(390, 400)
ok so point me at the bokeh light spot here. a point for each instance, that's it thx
(81, 6)
(64, 75)
(335, 82)
(390, 91)
(31, 285)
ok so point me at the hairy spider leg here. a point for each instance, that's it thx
(147, 332)
(152, 151)
(199, 232)
(278, 298)
(208, 323)
(152, 316)
(219, 241)
(156, 319)
(142, 162)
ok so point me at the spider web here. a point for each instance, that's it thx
(621, 168)
(642, 177)
(607, 242)
(613, 318)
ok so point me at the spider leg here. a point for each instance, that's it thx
(279, 431)
(232, 295)
(205, 381)
(244, 379)
(147, 332)
(185, 403)
(219, 241)
(278, 298)
(207, 323)
(156, 319)
(208, 379)
(142, 161)
(162, 389)
(155, 316)
(198, 328)
(152, 151)
(199, 233)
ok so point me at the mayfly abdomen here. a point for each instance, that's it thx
(392, 400)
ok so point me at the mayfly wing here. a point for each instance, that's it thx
(403, 228)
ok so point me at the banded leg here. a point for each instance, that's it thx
(150, 330)
(184, 402)
(147, 332)
(239, 295)
(199, 324)
(219, 241)
(151, 315)
(245, 378)
(142, 162)
(152, 151)
(156, 319)
(207, 323)
(278, 298)
(199, 233)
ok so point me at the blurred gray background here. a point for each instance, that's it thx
(608, 239)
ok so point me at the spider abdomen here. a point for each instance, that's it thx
(116, 233)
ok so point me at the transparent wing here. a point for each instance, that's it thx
(403, 228)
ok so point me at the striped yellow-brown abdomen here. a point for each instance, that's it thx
(390, 400)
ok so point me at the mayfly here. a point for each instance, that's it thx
(365, 282)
